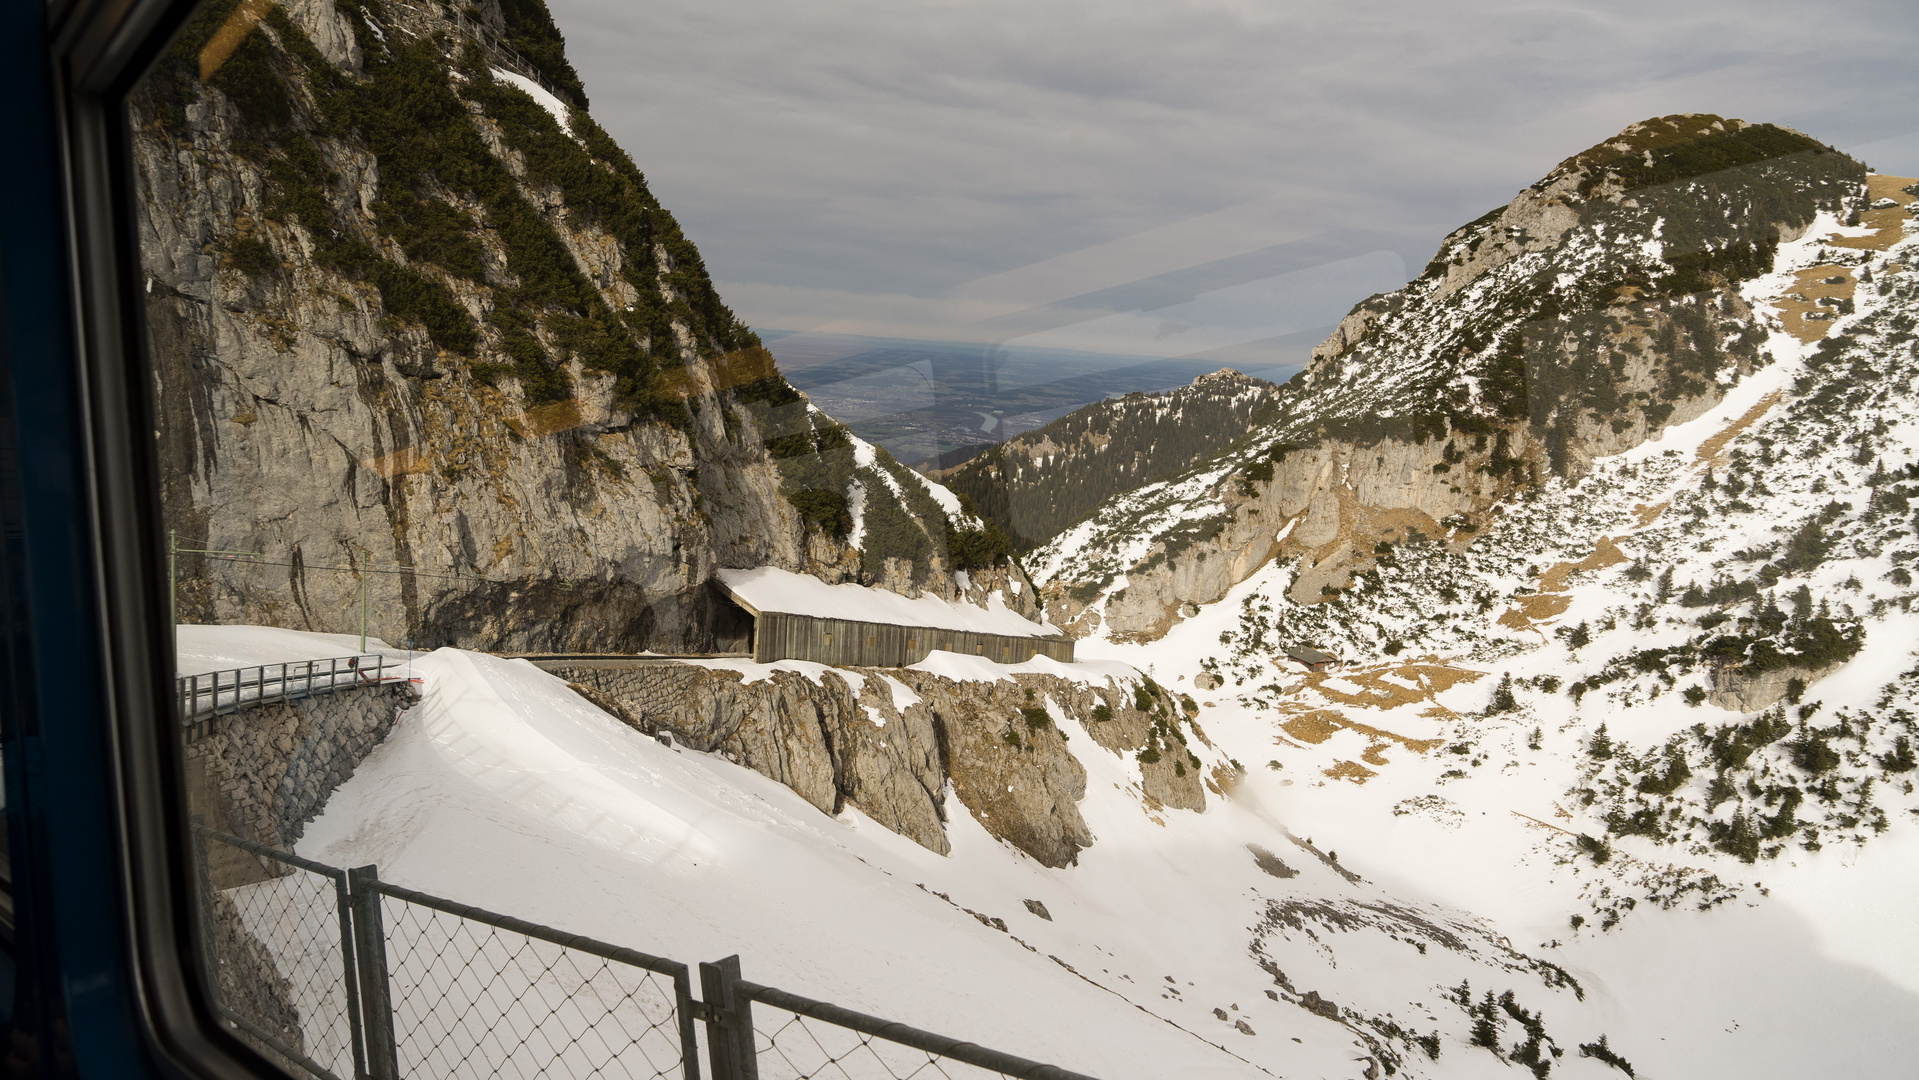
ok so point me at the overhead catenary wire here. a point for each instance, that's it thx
(395, 570)
(455, 575)
(256, 558)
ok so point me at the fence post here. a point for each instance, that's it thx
(203, 909)
(369, 952)
(684, 1004)
(729, 1022)
(350, 976)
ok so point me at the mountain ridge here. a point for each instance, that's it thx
(1576, 321)
(1036, 484)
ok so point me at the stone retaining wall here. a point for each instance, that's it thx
(264, 772)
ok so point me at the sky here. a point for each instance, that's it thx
(1166, 179)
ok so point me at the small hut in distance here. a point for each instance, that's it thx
(800, 617)
(1313, 659)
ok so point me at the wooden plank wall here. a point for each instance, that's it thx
(845, 643)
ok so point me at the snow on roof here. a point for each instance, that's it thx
(769, 589)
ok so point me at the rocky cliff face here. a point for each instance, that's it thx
(417, 320)
(1597, 308)
(894, 743)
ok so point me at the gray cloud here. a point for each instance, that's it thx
(863, 165)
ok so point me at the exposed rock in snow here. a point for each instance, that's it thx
(892, 742)
(1743, 692)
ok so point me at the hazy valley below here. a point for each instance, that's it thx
(937, 403)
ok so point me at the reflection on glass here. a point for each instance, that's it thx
(510, 566)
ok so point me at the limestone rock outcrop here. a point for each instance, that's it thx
(1742, 691)
(895, 742)
(428, 353)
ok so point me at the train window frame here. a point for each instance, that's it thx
(106, 934)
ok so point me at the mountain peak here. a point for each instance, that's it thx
(1593, 311)
(1669, 149)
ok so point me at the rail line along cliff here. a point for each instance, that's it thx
(420, 322)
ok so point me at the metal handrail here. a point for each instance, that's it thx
(906, 1035)
(506, 56)
(216, 693)
(590, 946)
(278, 1046)
(276, 854)
(686, 1008)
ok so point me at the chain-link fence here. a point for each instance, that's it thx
(336, 974)
(479, 994)
(791, 1046)
(281, 956)
(759, 1032)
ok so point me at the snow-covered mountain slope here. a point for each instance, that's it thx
(1599, 307)
(1391, 916)
(886, 524)
(1672, 700)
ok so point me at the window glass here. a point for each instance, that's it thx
(1023, 604)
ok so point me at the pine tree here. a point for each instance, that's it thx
(1600, 746)
(1503, 699)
